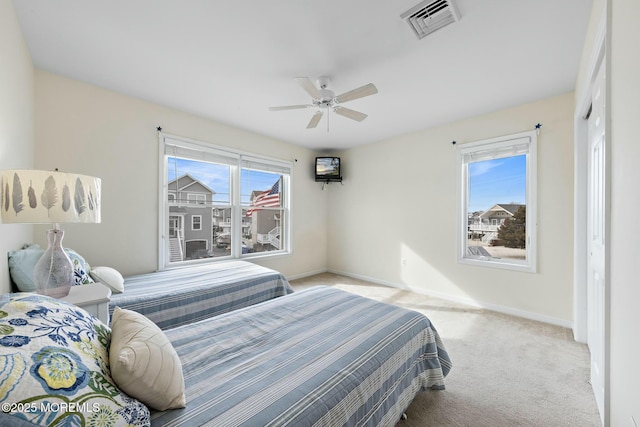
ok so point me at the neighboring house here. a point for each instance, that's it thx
(190, 218)
(222, 228)
(485, 225)
(196, 229)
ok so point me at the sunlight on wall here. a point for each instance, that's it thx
(414, 271)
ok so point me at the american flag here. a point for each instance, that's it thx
(268, 199)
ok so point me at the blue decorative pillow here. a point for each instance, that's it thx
(54, 367)
(21, 265)
(22, 262)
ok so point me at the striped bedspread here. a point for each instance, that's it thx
(317, 357)
(182, 296)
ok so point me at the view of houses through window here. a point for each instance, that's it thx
(497, 208)
(212, 207)
(498, 199)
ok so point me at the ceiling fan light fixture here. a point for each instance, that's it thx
(326, 94)
(324, 98)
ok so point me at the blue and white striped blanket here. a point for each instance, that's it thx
(182, 296)
(317, 357)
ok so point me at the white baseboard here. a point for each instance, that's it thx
(462, 300)
(307, 274)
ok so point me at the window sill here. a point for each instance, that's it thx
(265, 255)
(499, 263)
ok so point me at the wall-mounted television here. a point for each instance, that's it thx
(328, 169)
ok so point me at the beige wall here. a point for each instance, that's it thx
(84, 129)
(398, 202)
(624, 92)
(16, 122)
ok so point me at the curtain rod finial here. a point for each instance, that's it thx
(538, 126)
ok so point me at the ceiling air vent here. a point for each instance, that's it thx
(430, 16)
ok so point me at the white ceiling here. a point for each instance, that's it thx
(230, 60)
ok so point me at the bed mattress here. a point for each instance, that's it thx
(317, 357)
(182, 296)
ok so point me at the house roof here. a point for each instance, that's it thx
(189, 181)
(510, 208)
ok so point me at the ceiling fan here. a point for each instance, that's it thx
(321, 97)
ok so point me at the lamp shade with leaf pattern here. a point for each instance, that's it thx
(40, 197)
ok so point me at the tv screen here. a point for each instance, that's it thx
(328, 169)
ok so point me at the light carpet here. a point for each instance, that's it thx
(507, 371)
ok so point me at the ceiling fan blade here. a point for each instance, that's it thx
(350, 114)
(361, 92)
(308, 86)
(314, 120)
(289, 107)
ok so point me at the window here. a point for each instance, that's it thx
(196, 198)
(196, 222)
(263, 226)
(237, 203)
(497, 202)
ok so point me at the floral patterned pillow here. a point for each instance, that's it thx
(54, 367)
(81, 269)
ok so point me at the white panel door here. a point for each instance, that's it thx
(596, 283)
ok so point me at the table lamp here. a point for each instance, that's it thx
(46, 197)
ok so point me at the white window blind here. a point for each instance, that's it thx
(274, 166)
(200, 152)
(495, 150)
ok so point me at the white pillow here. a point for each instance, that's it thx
(143, 362)
(110, 277)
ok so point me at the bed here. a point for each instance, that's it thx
(317, 357)
(181, 296)
(320, 356)
(171, 297)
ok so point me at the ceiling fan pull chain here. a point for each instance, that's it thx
(328, 120)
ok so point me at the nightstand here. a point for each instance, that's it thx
(93, 298)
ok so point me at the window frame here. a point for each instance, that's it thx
(499, 146)
(193, 222)
(196, 198)
(236, 160)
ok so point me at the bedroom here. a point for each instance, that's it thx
(47, 116)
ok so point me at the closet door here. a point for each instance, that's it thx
(596, 238)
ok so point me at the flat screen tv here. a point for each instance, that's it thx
(328, 169)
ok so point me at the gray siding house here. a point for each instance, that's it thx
(190, 218)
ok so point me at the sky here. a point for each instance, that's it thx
(216, 177)
(497, 181)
